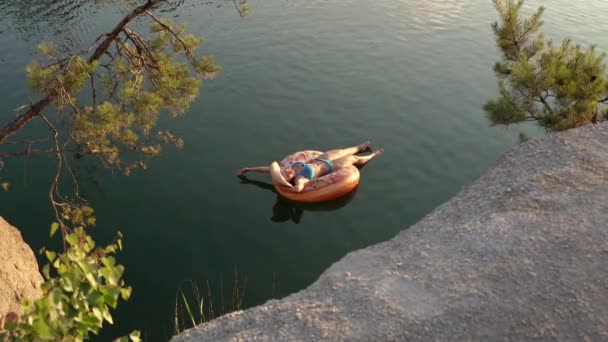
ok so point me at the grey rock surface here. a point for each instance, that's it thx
(19, 275)
(520, 254)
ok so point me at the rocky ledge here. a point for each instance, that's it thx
(19, 275)
(520, 254)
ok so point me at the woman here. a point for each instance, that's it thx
(301, 173)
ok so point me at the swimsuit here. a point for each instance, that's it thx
(329, 164)
(309, 172)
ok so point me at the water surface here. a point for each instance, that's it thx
(411, 74)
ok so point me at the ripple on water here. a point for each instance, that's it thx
(71, 24)
(426, 15)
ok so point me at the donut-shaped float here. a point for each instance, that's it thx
(324, 188)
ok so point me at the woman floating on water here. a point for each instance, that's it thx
(301, 173)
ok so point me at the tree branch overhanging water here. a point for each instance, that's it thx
(15, 125)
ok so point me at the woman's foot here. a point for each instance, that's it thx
(361, 160)
(366, 146)
(378, 152)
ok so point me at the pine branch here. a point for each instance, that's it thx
(36, 109)
(174, 34)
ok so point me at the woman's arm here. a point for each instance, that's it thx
(262, 169)
(300, 183)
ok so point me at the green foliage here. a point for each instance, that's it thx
(109, 98)
(80, 215)
(48, 49)
(67, 79)
(81, 286)
(137, 80)
(558, 87)
(192, 308)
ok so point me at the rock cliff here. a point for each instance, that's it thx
(520, 254)
(19, 275)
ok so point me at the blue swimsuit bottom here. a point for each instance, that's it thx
(309, 172)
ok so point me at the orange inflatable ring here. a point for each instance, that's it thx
(324, 188)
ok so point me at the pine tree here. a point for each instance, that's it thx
(105, 101)
(558, 86)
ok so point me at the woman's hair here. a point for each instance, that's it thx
(277, 177)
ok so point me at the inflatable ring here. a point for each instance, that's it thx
(324, 188)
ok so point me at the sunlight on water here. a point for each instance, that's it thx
(425, 16)
(433, 14)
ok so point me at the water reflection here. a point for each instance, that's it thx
(433, 14)
(285, 210)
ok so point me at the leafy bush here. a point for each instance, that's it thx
(81, 286)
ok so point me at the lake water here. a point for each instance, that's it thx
(411, 74)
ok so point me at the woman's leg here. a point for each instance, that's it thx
(355, 160)
(338, 153)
